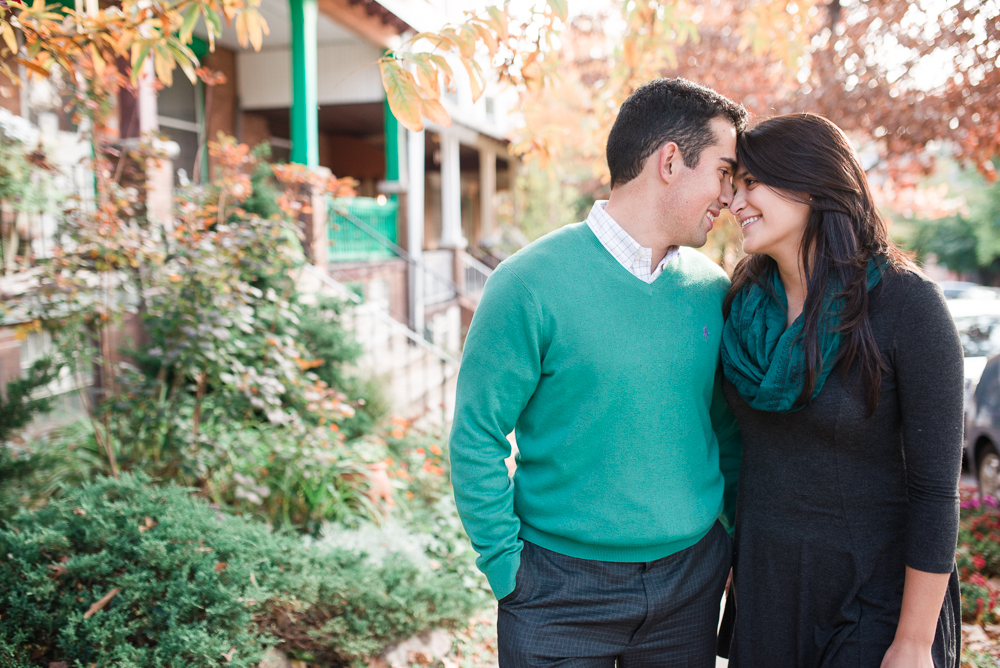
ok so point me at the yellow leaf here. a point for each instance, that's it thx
(9, 37)
(436, 112)
(401, 93)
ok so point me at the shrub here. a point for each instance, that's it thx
(180, 577)
(979, 538)
(979, 600)
(178, 583)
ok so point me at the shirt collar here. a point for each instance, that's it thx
(620, 243)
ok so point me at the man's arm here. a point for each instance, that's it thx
(501, 365)
(727, 431)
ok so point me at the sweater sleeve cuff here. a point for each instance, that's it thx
(502, 573)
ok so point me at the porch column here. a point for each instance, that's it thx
(415, 153)
(304, 116)
(159, 173)
(451, 193)
(487, 191)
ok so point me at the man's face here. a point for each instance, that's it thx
(703, 192)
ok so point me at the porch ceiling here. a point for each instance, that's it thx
(355, 120)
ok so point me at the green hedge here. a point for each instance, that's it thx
(198, 587)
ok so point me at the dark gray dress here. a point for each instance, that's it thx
(832, 505)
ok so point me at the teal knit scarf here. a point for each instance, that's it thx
(764, 360)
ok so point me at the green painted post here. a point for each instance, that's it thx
(305, 117)
(391, 144)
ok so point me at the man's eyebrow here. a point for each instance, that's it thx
(729, 161)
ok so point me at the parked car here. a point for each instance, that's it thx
(967, 290)
(982, 430)
(953, 289)
(978, 324)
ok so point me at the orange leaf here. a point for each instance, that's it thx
(221, 566)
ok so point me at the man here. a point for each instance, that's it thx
(599, 346)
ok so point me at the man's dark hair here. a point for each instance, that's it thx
(662, 111)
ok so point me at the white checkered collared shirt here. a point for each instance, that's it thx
(623, 247)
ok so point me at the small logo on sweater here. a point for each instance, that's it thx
(704, 331)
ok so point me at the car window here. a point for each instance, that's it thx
(980, 335)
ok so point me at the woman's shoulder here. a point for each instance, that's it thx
(909, 303)
(904, 286)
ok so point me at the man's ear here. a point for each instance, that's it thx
(669, 160)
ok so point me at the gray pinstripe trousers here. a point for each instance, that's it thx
(577, 613)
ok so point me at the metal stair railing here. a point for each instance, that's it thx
(473, 268)
(476, 274)
(419, 378)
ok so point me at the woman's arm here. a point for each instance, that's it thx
(923, 595)
(927, 359)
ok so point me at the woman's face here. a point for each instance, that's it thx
(771, 220)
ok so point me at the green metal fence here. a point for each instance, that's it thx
(348, 241)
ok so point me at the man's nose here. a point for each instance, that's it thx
(737, 204)
(727, 195)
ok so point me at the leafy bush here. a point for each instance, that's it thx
(194, 586)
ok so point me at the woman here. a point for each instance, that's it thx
(844, 371)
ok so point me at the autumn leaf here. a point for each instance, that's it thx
(427, 76)
(401, 93)
(443, 66)
(220, 566)
(8, 34)
(487, 37)
(190, 19)
(476, 78)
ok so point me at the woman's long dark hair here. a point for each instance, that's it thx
(807, 158)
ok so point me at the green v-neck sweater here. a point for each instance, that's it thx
(627, 449)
